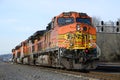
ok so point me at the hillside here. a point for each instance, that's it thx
(5, 57)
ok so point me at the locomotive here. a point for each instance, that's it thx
(69, 41)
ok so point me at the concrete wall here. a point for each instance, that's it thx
(110, 46)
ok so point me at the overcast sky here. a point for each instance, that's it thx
(21, 18)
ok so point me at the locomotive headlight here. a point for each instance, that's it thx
(78, 27)
(71, 44)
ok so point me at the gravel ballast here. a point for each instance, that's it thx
(10, 71)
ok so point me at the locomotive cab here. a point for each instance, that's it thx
(77, 30)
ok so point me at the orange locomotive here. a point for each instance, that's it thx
(69, 41)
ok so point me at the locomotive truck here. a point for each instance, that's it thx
(69, 41)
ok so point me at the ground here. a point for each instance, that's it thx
(10, 71)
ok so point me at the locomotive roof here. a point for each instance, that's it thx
(36, 34)
(39, 33)
(30, 38)
(18, 46)
(71, 13)
(13, 50)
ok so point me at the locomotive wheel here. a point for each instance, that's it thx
(54, 59)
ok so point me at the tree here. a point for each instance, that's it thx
(96, 21)
(118, 19)
(110, 23)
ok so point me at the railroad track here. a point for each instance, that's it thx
(98, 74)
(91, 75)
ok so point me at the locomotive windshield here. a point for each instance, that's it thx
(64, 21)
(84, 20)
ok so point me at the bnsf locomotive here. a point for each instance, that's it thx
(69, 41)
